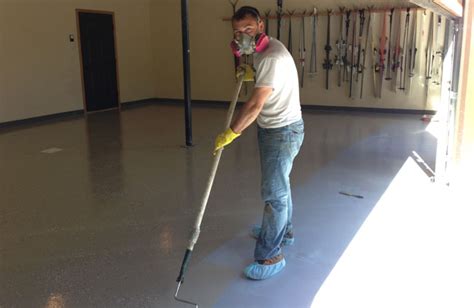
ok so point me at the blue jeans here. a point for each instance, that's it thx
(278, 148)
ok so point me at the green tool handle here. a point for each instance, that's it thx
(184, 265)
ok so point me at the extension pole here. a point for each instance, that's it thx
(186, 73)
(351, 77)
(205, 197)
(313, 59)
(279, 12)
(302, 46)
(366, 46)
(327, 65)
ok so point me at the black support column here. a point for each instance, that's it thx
(186, 72)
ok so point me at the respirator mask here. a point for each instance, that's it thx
(247, 44)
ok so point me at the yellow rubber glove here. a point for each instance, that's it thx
(247, 71)
(224, 139)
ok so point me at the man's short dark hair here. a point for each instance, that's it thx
(246, 11)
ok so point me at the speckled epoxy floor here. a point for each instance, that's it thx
(104, 221)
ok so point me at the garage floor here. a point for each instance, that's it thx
(96, 212)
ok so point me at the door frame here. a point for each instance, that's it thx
(119, 105)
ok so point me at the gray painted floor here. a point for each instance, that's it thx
(104, 220)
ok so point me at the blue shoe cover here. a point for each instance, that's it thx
(258, 271)
(287, 241)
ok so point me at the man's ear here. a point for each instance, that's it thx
(261, 26)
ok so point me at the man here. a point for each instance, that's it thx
(275, 105)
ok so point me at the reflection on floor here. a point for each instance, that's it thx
(104, 221)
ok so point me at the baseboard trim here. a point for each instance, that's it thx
(138, 103)
(41, 119)
(67, 114)
(208, 104)
(366, 109)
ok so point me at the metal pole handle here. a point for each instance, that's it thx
(215, 164)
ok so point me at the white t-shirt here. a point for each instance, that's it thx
(276, 68)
